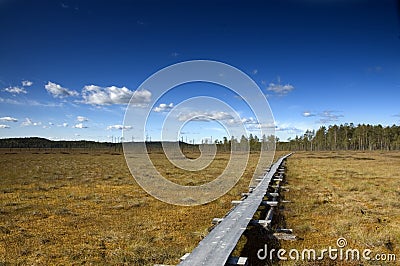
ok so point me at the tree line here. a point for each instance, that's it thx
(361, 137)
(252, 143)
(42, 143)
(334, 137)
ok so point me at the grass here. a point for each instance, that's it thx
(354, 195)
(84, 207)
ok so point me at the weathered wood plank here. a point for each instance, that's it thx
(184, 257)
(260, 222)
(239, 261)
(273, 194)
(284, 236)
(217, 220)
(236, 202)
(216, 247)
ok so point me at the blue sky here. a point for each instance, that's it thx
(69, 68)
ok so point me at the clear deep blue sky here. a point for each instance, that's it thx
(330, 62)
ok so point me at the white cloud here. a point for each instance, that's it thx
(30, 102)
(280, 89)
(308, 114)
(141, 97)
(4, 126)
(258, 126)
(249, 120)
(27, 83)
(205, 116)
(163, 107)
(8, 101)
(63, 125)
(328, 117)
(289, 129)
(120, 127)
(15, 90)
(97, 95)
(59, 92)
(8, 119)
(80, 125)
(81, 118)
(324, 117)
(29, 122)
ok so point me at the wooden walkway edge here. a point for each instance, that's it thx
(216, 248)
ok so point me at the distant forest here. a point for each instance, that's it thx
(335, 137)
(42, 143)
(343, 137)
(346, 137)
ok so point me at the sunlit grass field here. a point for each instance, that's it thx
(355, 195)
(84, 207)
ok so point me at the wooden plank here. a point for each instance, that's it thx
(271, 203)
(216, 247)
(260, 222)
(217, 220)
(284, 236)
(184, 256)
(281, 187)
(232, 261)
(273, 194)
(270, 214)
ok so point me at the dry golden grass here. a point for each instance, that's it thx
(354, 195)
(85, 208)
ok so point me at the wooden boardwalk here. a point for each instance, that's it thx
(217, 246)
